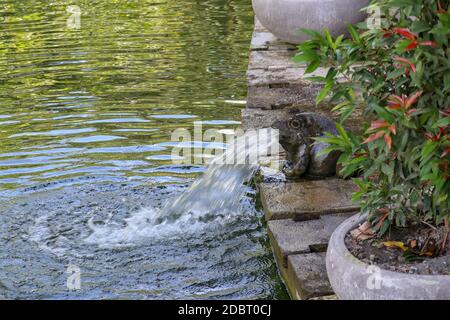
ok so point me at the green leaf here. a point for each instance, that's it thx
(330, 39)
(395, 74)
(312, 33)
(354, 34)
(313, 66)
(428, 149)
(343, 133)
(305, 56)
(324, 92)
(442, 122)
(384, 114)
(325, 151)
(388, 170)
(384, 227)
(419, 26)
(360, 184)
(315, 79)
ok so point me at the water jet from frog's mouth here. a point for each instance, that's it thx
(214, 197)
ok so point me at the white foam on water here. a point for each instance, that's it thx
(212, 200)
(40, 233)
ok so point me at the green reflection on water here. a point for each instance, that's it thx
(103, 100)
(135, 70)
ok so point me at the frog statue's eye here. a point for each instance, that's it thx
(295, 124)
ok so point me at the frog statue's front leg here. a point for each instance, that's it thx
(297, 166)
(322, 164)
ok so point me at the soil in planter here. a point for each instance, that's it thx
(411, 257)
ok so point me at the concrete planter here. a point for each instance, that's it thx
(352, 279)
(284, 18)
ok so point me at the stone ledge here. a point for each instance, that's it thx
(289, 237)
(307, 199)
(271, 65)
(272, 59)
(274, 76)
(293, 95)
(253, 119)
(307, 276)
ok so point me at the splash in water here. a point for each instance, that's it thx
(214, 197)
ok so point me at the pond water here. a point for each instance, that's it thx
(89, 98)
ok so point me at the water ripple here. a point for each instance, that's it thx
(86, 118)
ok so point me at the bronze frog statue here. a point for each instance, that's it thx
(297, 138)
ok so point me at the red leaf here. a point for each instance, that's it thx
(412, 45)
(396, 102)
(406, 62)
(377, 124)
(374, 136)
(440, 9)
(393, 129)
(410, 112)
(383, 210)
(395, 106)
(412, 99)
(405, 33)
(445, 113)
(429, 44)
(400, 100)
(388, 140)
(445, 153)
(429, 136)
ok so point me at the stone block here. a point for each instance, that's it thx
(293, 237)
(275, 77)
(307, 276)
(272, 59)
(283, 95)
(253, 119)
(307, 199)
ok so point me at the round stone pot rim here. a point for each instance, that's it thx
(338, 253)
(284, 18)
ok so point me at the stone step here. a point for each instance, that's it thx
(299, 250)
(272, 60)
(274, 79)
(307, 199)
(300, 95)
(307, 276)
(253, 119)
(290, 237)
(273, 76)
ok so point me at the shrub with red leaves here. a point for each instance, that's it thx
(399, 75)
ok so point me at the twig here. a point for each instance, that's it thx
(431, 226)
(424, 246)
